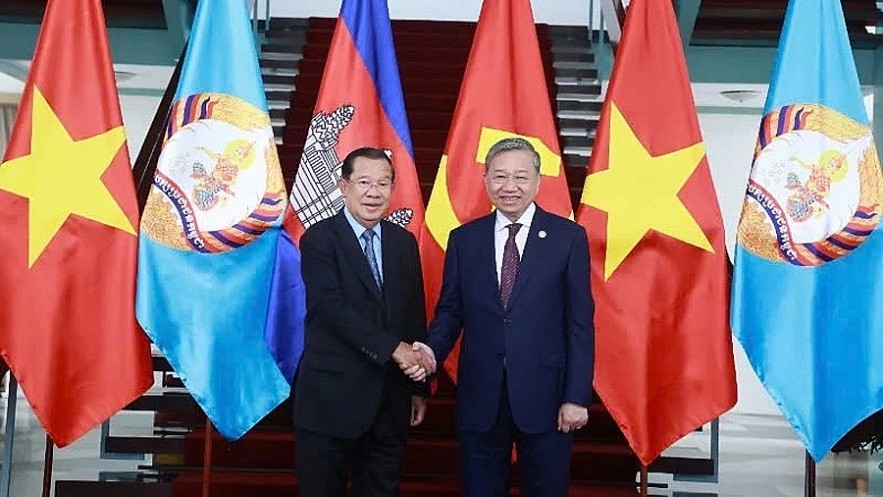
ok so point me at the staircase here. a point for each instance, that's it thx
(431, 78)
(261, 463)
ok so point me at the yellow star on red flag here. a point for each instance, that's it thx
(62, 176)
(639, 192)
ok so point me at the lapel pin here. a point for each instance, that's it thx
(541, 234)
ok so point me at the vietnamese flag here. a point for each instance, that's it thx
(68, 221)
(664, 354)
(504, 94)
(360, 104)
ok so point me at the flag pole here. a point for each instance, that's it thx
(643, 480)
(809, 486)
(11, 401)
(48, 457)
(207, 459)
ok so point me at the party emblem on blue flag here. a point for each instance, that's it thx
(212, 179)
(218, 293)
(814, 194)
(807, 303)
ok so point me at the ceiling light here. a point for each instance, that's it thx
(740, 96)
(122, 76)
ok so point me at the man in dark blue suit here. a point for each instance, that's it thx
(516, 282)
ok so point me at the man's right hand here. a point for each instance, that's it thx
(426, 362)
(417, 362)
(427, 355)
(409, 360)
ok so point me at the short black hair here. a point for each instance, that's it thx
(346, 168)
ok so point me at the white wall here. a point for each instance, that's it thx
(138, 113)
(729, 140)
(564, 12)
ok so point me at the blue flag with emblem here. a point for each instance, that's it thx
(807, 299)
(214, 293)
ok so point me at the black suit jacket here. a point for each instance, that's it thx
(352, 328)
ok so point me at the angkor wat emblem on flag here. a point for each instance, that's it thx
(315, 195)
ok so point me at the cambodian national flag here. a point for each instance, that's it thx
(807, 299)
(360, 104)
(215, 291)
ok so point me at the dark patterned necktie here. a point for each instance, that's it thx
(511, 260)
(368, 236)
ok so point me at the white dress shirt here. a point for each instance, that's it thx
(501, 234)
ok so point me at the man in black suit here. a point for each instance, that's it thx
(365, 306)
(516, 287)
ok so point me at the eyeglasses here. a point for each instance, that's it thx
(364, 185)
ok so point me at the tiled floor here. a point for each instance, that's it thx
(760, 457)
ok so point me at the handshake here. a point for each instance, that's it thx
(417, 361)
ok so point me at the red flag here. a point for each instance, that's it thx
(360, 104)
(664, 354)
(504, 94)
(68, 214)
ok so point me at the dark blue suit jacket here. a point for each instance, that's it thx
(543, 345)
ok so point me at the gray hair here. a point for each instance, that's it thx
(508, 144)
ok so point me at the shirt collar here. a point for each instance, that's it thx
(358, 229)
(525, 220)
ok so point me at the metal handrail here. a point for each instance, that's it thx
(255, 18)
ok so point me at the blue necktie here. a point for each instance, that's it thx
(368, 236)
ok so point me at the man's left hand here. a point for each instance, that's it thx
(572, 417)
(418, 409)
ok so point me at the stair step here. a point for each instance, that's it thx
(282, 45)
(278, 95)
(582, 49)
(286, 485)
(404, 53)
(288, 37)
(415, 102)
(424, 68)
(453, 38)
(280, 64)
(289, 23)
(424, 455)
(437, 121)
(410, 84)
(286, 55)
(567, 92)
(278, 79)
(578, 142)
(584, 56)
(577, 106)
(582, 31)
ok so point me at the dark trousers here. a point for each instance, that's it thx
(374, 460)
(543, 459)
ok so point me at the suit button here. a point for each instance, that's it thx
(507, 321)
